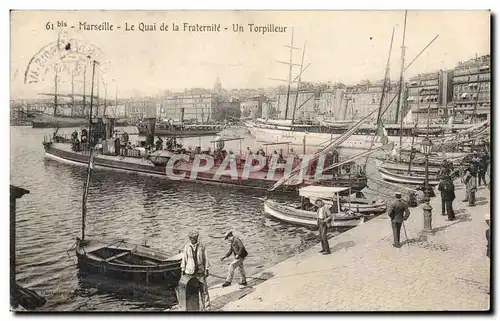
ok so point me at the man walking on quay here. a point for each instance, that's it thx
(398, 212)
(195, 262)
(240, 253)
(447, 190)
(324, 220)
(483, 166)
(470, 188)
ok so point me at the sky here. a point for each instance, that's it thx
(346, 46)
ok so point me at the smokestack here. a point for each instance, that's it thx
(151, 122)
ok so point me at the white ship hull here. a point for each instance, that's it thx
(318, 140)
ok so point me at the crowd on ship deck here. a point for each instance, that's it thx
(219, 154)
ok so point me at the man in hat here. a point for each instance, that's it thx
(325, 218)
(195, 262)
(470, 188)
(240, 253)
(398, 212)
(447, 190)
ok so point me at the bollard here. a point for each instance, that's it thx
(427, 209)
(188, 293)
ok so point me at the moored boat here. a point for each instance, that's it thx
(410, 179)
(126, 261)
(305, 215)
(138, 161)
(121, 260)
(181, 130)
(363, 205)
(48, 121)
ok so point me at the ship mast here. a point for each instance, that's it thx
(56, 80)
(386, 75)
(289, 76)
(72, 92)
(398, 106)
(89, 167)
(298, 83)
(84, 83)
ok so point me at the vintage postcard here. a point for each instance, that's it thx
(250, 160)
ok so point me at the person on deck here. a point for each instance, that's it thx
(281, 159)
(159, 144)
(195, 262)
(325, 218)
(470, 188)
(447, 190)
(398, 212)
(240, 253)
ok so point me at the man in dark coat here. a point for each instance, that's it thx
(398, 212)
(483, 166)
(324, 219)
(240, 253)
(447, 190)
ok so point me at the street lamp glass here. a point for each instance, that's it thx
(426, 146)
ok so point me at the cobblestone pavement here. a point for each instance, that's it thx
(444, 271)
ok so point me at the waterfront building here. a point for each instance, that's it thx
(252, 107)
(361, 99)
(306, 107)
(432, 91)
(189, 107)
(472, 88)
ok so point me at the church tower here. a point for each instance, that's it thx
(217, 86)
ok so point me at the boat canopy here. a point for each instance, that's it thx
(325, 192)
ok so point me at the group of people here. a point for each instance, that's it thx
(195, 262)
(399, 212)
(75, 142)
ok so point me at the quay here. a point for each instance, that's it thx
(447, 270)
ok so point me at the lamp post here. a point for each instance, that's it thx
(426, 148)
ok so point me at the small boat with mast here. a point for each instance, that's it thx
(121, 259)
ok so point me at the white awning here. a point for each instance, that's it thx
(321, 191)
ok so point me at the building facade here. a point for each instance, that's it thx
(254, 107)
(305, 109)
(330, 103)
(361, 99)
(189, 107)
(430, 94)
(472, 88)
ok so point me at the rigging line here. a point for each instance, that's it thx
(408, 66)
(383, 94)
(289, 275)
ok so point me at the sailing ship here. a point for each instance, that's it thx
(77, 117)
(121, 259)
(319, 133)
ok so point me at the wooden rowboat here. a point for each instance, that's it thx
(126, 261)
(363, 205)
(391, 176)
(297, 216)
